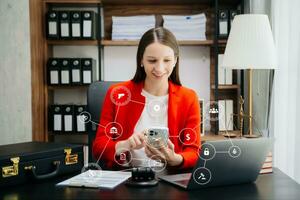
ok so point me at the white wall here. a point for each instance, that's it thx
(15, 72)
(286, 85)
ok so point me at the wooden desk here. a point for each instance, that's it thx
(270, 186)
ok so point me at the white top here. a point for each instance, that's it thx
(155, 113)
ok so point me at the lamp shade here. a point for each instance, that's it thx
(250, 43)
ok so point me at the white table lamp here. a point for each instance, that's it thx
(250, 46)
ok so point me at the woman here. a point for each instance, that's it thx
(154, 97)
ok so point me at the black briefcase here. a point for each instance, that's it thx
(32, 161)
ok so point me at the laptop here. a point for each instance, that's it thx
(225, 162)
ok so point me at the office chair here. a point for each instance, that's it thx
(95, 98)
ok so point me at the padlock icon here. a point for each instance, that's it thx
(206, 152)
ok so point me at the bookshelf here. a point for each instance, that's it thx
(71, 42)
(43, 94)
(42, 49)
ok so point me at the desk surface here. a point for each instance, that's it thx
(269, 186)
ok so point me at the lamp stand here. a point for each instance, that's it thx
(250, 135)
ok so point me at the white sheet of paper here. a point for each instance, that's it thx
(75, 30)
(223, 28)
(64, 30)
(87, 76)
(65, 79)
(57, 122)
(75, 75)
(87, 28)
(97, 179)
(54, 77)
(52, 28)
(80, 123)
(68, 122)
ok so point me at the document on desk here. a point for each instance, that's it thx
(97, 179)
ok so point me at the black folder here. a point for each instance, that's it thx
(76, 75)
(53, 71)
(88, 25)
(55, 118)
(80, 118)
(52, 28)
(87, 65)
(65, 72)
(223, 24)
(68, 115)
(76, 24)
(64, 24)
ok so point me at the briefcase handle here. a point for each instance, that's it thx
(44, 176)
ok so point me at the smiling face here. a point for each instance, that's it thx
(156, 56)
(158, 61)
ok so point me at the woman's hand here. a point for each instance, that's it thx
(164, 153)
(135, 141)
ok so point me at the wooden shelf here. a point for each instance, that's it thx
(222, 42)
(154, 2)
(119, 42)
(196, 43)
(226, 87)
(73, 1)
(181, 43)
(164, 2)
(73, 42)
(59, 87)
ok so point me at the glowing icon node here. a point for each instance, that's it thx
(234, 151)
(207, 152)
(157, 164)
(113, 130)
(202, 175)
(156, 108)
(213, 110)
(187, 136)
(84, 117)
(123, 157)
(120, 95)
(91, 166)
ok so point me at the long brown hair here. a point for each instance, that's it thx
(165, 37)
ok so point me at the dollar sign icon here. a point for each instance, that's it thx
(188, 137)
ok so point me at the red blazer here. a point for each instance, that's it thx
(183, 112)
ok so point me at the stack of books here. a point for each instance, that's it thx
(188, 27)
(132, 27)
(267, 166)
